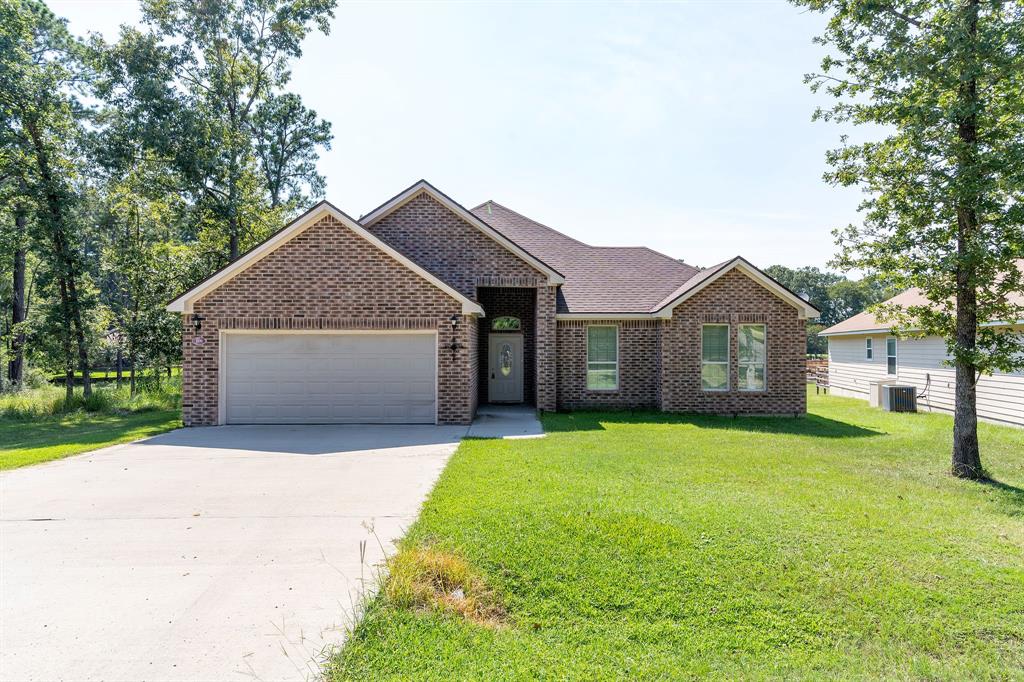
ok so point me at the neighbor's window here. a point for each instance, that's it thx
(867, 349)
(602, 358)
(753, 357)
(890, 356)
(714, 357)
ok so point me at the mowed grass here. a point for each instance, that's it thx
(36, 426)
(637, 545)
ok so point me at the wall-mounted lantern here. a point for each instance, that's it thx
(454, 346)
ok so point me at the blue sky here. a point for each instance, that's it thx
(681, 126)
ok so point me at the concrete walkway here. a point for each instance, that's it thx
(219, 553)
(506, 421)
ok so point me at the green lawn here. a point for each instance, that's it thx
(643, 545)
(41, 424)
(31, 442)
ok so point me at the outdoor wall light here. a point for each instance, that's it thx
(454, 346)
(197, 322)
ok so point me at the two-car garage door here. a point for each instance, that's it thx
(314, 378)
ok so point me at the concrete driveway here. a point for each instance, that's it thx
(203, 554)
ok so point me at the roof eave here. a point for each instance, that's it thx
(183, 303)
(807, 311)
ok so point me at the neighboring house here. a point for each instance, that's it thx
(861, 350)
(423, 309)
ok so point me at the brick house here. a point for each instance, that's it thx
(423, 309)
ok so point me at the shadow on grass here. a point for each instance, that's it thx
(1010, 495)
(810, 425)
(77, 429)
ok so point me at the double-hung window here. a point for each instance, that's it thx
(753, 357)
(714, 357)
(602, 358)
(890, 356)
(868, 350)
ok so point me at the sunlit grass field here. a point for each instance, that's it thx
(642, 545)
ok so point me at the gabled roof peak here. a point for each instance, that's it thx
(421, 186)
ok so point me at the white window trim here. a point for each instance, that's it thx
(740, 363)
(895, 356)
(728, 357)
(587, 377)
(869, 351)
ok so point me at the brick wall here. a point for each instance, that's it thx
(449, 247)
(469, 260)
(328, 278)
(499, 302)
(547, 349)
(734, 299)
(639, 365)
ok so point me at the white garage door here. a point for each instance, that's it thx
(330, 378)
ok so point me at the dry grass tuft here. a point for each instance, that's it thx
(432, 579)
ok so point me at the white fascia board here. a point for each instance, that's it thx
(554, 278)
(807, 311)
(857, 332)
(183, 303)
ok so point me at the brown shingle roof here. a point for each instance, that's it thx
(865, 321)
(598, 279)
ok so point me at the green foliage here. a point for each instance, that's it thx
(44, 121)
(288, 135)
(212, 70)
(834, 295)
(652, 546)
(941, 81)
(140, 167)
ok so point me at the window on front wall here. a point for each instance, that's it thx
(890, 356)
(714, 357)
(867, 349)
(602, 358)
(753, 357)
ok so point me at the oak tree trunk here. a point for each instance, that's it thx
(16, 366)
(966, 452)
(71, 305)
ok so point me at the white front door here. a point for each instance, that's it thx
(330, 378)
(505, 371)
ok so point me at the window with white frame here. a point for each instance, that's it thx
(868, 351)
(890, 356)
(753, 357)
(602, 358)
(714, 357)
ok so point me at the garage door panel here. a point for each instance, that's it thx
(330, 378)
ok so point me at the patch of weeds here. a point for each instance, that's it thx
(432, 579)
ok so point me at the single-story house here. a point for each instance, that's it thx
(861, 350)
(423, 309)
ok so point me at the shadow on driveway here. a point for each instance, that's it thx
(310, 439)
